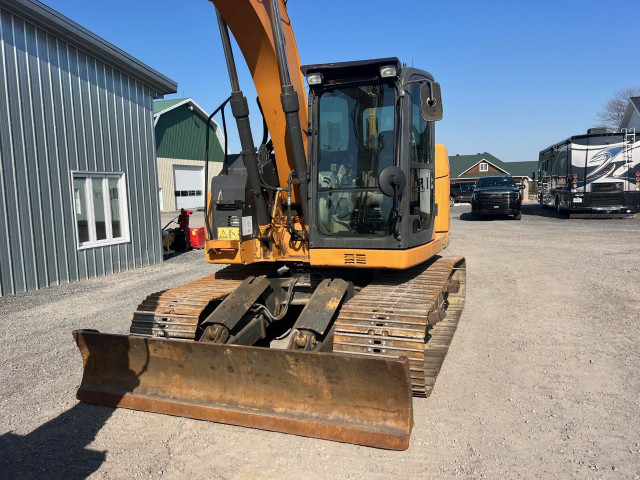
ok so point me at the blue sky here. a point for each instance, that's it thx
(516, 76)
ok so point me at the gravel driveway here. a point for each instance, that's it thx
(541, 380)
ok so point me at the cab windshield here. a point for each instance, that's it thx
(356, 140)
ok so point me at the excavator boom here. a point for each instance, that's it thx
(250, 24)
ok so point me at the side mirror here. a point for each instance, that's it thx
(431, 101)
(391, 177)
(521, 186)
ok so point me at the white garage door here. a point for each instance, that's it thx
(189, 182)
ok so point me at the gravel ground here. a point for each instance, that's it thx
(541, 380)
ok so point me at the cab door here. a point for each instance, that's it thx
(420, 180)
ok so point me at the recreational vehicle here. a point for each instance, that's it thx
(596, 173)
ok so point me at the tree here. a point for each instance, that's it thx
(612, 112)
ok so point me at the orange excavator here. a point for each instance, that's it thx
(334, 308)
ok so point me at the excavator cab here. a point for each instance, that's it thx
(334, 308)
(371, 155)
(370, 174)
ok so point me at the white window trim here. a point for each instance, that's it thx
(484, 167)
(124, 210)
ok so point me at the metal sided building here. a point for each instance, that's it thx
(78, 170)
(181, 130)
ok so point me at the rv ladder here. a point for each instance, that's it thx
(629, 141)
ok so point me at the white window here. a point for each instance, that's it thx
(484, 167)
(100, 207)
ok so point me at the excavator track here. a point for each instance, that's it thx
(412, 313)
(390, 341)
(176, 312)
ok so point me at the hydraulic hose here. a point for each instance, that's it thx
(240, 110)
(291, 107)
(206, 163)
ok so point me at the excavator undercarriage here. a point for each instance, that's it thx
(340, 364)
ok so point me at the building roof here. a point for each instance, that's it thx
(160, 106)
(48, 19)
(634, 103)
(163, 107)
(460, 164)
(470, 176)
(521, 169)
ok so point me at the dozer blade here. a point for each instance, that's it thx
(365, 401)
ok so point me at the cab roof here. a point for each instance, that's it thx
(355, 68)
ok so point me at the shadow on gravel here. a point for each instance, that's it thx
(469, 217)
(527, 210)
(182, 256)
(56, 449)
(539, 211)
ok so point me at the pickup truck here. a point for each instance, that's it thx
(497, 196)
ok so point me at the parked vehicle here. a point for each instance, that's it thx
(592, 175)
(461, 192)
(497, 195)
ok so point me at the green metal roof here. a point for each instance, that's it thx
(483, 174)
(521, 169)
(462, 163)
(160, 105)
(181, 131)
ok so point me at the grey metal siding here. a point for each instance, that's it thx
(63, 110)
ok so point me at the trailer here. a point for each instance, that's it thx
(596, 175)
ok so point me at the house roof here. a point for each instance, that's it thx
(51, 21)
(634, 103)
(460, 164)
(478, 175)
(521, 169)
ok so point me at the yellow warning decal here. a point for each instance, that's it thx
(228, 233)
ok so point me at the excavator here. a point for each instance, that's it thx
(334, 308)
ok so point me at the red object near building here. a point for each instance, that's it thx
(197, 237)
(183, 218)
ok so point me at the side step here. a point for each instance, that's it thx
(346, 398)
